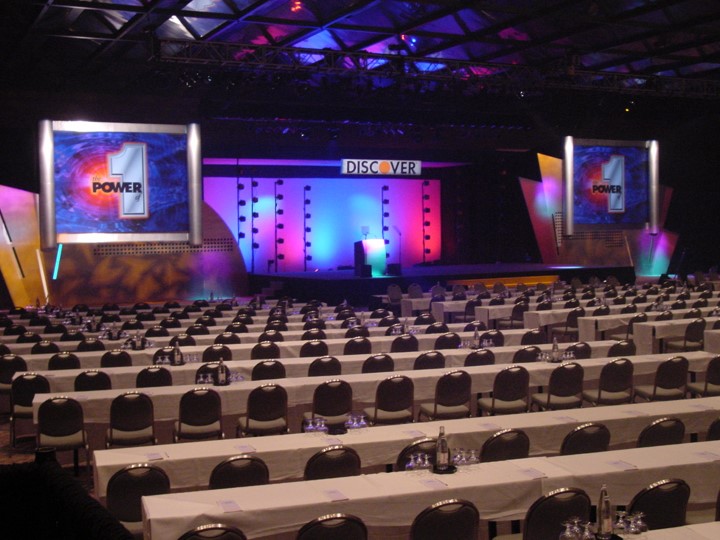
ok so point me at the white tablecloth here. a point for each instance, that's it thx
(500, 490)
(189, 465)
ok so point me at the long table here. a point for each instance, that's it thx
(166, 400)
(288, 349)
(388, 502)
(648, 336)
(189, 465)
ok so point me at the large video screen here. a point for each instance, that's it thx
(610, 184)
(108, 182)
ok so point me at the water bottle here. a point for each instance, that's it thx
(476, 338)
(222, 374)
(177, 355)
(604, 515)
(442, 451)
(555, 350)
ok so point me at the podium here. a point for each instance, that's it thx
(370, 259)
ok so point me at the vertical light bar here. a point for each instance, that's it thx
(48, 238)
(56, 270)
(43, 279)
(194, 165)
(568, 181)
(654, 185)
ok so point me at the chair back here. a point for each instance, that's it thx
(378, 363)
(332, 398)
(115, 358)
(536, 336)
(430, 360)
(586, 438)
(496, 336)
(448, 340)
(200, 407)
(313, 334)
(713, 433)
(227, 338)
(415, 290)
(622, 348)
(272, 334)
(511, 383)
(265, 350)
(480, 357)
(453, 518)
(661, 432)
(333, 462)
(44, 346)
(60, 416)
(127, 486)
(425, 318)
(9, 365)
(63, 360)
(268, 369)
(437, 327)
(453, 389)
(672, 373)
(404, 343)
(664, 504)
(90, 344)
(695, 331)
(566, 380)
(92, 379)
(617, 376)
(325, 366)
(395, 393)
(505, 444)
(581, 350)
(333, 527)
(358, 345)
(545, 516)
(314, 348)
(239, 471)
(267, 402)
(153, 376)
(426, 445)
(24, 387)
(526, 354)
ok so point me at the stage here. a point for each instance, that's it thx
(334, 286)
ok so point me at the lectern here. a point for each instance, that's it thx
(370, 260)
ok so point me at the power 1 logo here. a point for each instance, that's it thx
(128, 169)
(381, 167)
(613, 178)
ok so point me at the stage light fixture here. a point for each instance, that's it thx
(280, 212)
(254, 183)
(242, 219)
(386, 201)
(426, 210)
(306, 188)
(242, 202)
(427, 250)
(255, 230)
(308, 257)
(387, 241)
(426, 197)
(255, 245)
(308, 244)
(426, 183)
(280, 240)
(427, 237)
(255, 215)
(281, 257)
(279, 196)
(307, 201)
(308, 229)
(280, 226)
(308, 216)
(386, 228)
(386, 214)
(279, 182)
(241, 235)
(240, 186)
(426, 224)
(255, 200)
(385, 188)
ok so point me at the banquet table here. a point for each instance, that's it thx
(388, 502)
(648, 336)
(697, 531)
(189, 465)
(166, 399)
(124, 377)
(288, 349)
(712, 341)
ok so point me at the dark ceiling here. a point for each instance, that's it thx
(251, 49)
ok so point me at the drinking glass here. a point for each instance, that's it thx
(588, 531)
(569, 532)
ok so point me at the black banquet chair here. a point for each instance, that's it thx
(214, 531)
(126, 488)
(333, 527)
(663, 503)
(239, 471)
(586, 438)
(266, 412)
(452, 518)
(333, 462)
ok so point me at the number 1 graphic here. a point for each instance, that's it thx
(613, 172)
(130, 165)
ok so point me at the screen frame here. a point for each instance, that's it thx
(652, 148)
(49, 237)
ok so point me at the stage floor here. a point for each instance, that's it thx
(333, 286)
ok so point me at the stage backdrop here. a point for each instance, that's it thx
(298, 223)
